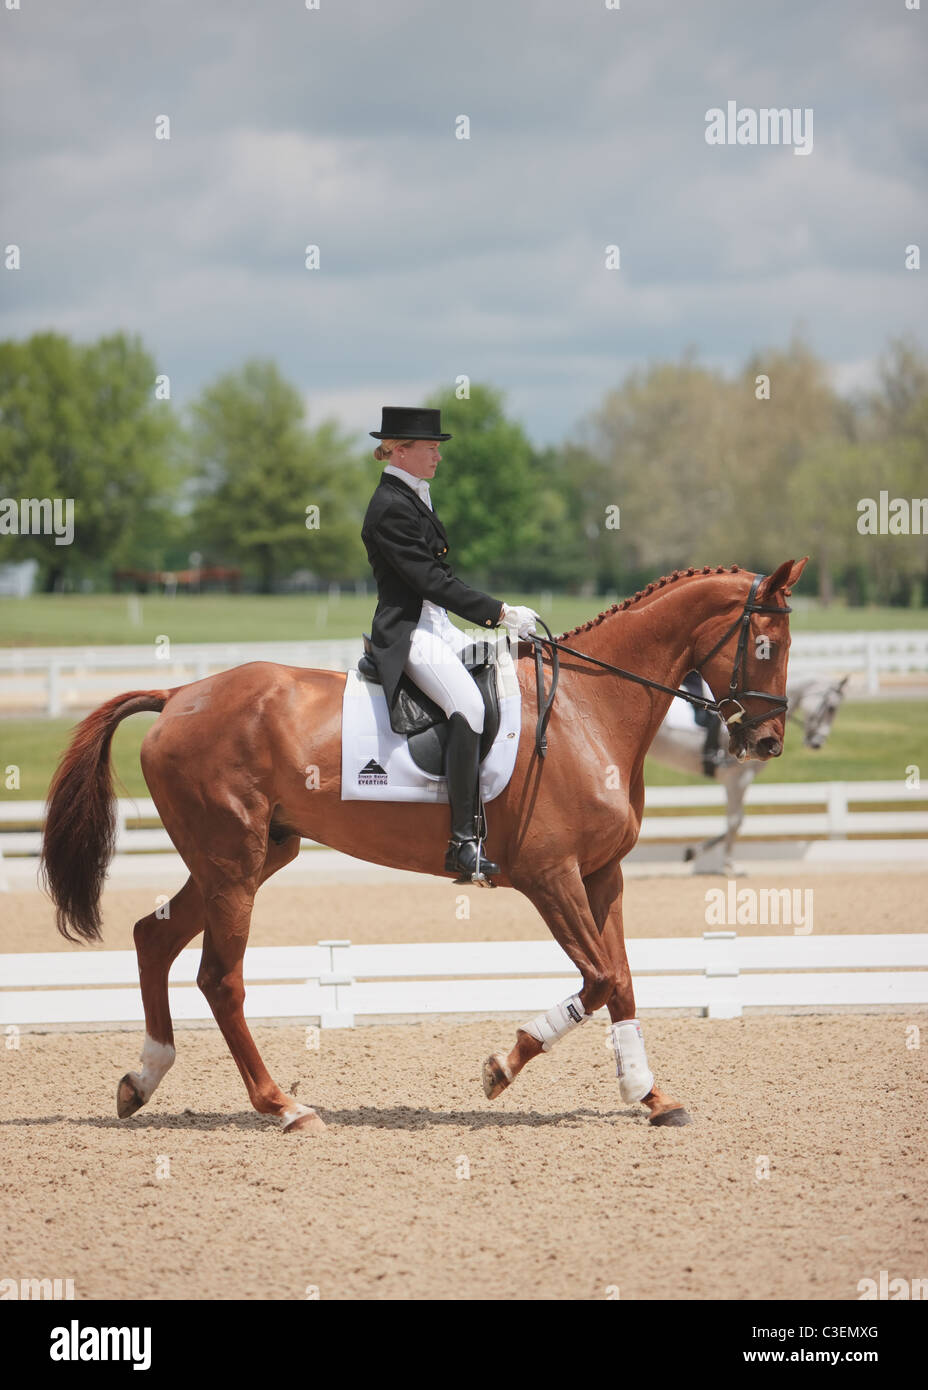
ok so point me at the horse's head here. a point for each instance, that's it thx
(745, 661)
(816, 708)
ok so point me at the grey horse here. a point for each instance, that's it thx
(813, 703)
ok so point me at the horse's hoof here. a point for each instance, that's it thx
(495, 1079)
(309, 1123)
(672, 1118)
(128, 1099)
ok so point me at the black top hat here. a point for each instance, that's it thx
(409, 422)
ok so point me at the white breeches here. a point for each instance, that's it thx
(434, 666)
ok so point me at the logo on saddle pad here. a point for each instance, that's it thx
(372, 774)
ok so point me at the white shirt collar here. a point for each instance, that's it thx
(418, 485)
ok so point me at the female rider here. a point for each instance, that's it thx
(407, 546)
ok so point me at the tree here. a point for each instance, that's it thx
(485, 485)
(258, 468)
(666, 445)
(81, 422)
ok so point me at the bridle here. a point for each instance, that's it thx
(740, 669)
(736, 690)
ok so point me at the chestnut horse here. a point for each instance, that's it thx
(227, 764)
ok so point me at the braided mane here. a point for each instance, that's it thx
(647, 591)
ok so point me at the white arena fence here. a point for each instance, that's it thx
(60, 679)
(338, 983)
(834, 820)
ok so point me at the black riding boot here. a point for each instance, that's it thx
(712, 755)
(462, 763)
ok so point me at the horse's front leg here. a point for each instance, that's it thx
(561, 899)
(736, 790)
(636, 1081)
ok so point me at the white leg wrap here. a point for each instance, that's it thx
(549, 1028)
(631, 1063)
(157, 1058)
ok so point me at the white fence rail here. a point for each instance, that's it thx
(76, 677)
(61, 678)
(835, 820)
(338, 983)
(871, 654)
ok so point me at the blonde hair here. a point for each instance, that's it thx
(386, 446)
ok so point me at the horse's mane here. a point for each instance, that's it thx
(647, 591)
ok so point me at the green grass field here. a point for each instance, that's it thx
(871, 740)
(52, 620)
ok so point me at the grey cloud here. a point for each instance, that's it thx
(442, 256)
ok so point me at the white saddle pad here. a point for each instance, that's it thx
(376, 763)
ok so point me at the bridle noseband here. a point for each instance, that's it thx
(735, 694)
(739, 670)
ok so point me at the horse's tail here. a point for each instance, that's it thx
(80, 823)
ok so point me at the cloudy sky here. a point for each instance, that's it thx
(440, 256)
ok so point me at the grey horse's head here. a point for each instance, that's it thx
(814, 705)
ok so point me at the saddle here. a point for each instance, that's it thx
(422, 721)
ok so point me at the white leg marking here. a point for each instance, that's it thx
(157, 1058)
(294, 1113)
(500, 1059)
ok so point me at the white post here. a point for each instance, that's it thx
(54, 689)
(723, 997)
(337, 982)
(873, 670)
(837, 811)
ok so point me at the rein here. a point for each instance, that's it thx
(734, 697)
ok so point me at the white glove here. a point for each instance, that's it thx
(518, 621)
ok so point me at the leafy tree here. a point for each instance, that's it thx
(485, 486)
(258, 468)
(81, 421)
(665, 442)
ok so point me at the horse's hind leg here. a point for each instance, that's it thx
(228, 917)
(158, 942)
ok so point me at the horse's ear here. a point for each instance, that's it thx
(842, 683)
(782, 579)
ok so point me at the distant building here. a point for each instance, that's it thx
(18, 581)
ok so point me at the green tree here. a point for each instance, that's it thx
(485, 486)
(80, 421)
(258, 468)
(665, 442)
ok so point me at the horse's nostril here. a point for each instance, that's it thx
(770, 747)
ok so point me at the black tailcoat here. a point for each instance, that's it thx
(408, 550)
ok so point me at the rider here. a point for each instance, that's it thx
(407, 547)
(713, 755)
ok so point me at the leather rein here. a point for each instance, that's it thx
(735, 694)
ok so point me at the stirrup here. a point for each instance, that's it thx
(483, 865)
